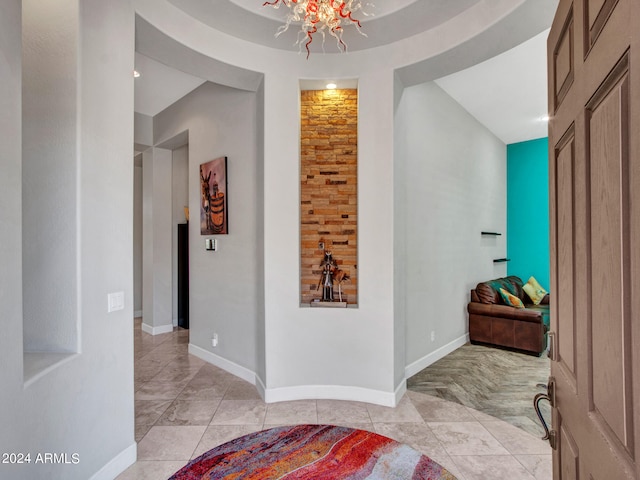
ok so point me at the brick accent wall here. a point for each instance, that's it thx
(328, 188)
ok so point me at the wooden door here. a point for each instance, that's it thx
(594, 146)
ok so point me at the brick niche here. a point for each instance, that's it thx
(328, 188)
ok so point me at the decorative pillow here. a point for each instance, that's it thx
(534, 290)
(511, 299)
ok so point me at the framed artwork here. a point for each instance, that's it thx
(213, 192)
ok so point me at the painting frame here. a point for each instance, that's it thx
(214, 209)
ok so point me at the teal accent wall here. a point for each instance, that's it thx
(528, 210)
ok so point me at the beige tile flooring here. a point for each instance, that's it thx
(185, 406)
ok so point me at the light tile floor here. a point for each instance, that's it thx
(185, 406)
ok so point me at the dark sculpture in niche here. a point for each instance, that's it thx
(328, 265)
(330, 272)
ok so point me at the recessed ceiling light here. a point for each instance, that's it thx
(544, 118)
(136, 74)
(331, 86)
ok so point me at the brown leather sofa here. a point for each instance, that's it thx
(494, 323)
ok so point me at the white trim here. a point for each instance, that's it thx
(137, 314)
(400, 391)
(157, 330)
(424, 362)
(231, 367)
(117, 464)
(260, 386)
(332, 392)
(175, 322)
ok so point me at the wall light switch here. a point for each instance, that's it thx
(115, 302)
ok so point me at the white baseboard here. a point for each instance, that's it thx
(137, 314)
(424, 362)
(332, 392)
(117, 464)
(156, 330)
(223, 363)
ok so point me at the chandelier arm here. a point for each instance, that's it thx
(310, 35)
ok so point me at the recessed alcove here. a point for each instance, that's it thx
(329, 194)
(50, 193)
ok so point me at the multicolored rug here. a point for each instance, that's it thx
(313, 452)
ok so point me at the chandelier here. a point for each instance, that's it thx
(324, 16)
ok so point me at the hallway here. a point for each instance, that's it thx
(185, 407)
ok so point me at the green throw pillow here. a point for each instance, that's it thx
(510, 299)
(534, 290)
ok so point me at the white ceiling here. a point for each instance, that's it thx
(506, 93)
(160, 86)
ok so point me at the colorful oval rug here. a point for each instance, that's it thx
(313, 452)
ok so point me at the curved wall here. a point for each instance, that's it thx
(356, 354)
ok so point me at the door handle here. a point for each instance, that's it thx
(551, 353)
(549, 396)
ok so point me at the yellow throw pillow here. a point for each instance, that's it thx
(534, 290)
(510, 299)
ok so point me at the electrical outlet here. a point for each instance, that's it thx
(433, 336)
(214, 340)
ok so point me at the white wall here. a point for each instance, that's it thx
(143, 131)
(157, 245)
(320, 352)
(450, 185)
(83, 405)
(225, 286)
(11, 395)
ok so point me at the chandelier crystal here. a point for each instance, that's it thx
(324, 16)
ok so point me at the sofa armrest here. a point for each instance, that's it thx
(505, 311)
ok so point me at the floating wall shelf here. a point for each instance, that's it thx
(490, 233)
(501, 260)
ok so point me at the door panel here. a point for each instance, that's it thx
(596, 15)
(594, 138)
(570, 467)
(563, 61)
(565, 228)
(608, 139)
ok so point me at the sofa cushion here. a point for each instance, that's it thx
(510, 299)
(489, 292)
(535, 292)
(486, 294)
